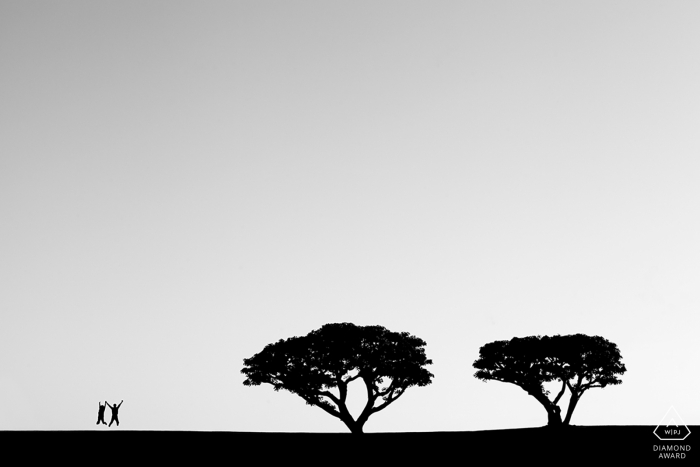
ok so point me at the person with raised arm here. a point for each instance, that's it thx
(115, 412)
(101, 413)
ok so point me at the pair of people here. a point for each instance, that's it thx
(115, 413)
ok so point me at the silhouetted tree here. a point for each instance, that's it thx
(578, 361)
(584, 362)
(523, 362)
(331, 357)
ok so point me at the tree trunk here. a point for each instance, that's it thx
(357, 430)
(354, 426)
(554, 416)
(357, 425)
(572, 405)
(553, 410)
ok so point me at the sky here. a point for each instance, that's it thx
(183, 183)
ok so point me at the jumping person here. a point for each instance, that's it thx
(101, 414)
(115, 412)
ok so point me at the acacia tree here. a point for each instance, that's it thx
(583, 362)
(523, 362)
(578, 361)
(331, 357)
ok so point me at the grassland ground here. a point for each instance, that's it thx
(599, 444)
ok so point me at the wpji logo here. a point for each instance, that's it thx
(671, 427)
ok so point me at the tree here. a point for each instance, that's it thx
(333, 356)
(584, 362)
(523, 362)
(578, 361)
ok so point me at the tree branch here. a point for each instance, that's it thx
(322, 404)
(352, 378)
(571, 388)
(329, 395)
(561, 393)
(388, 399)
(387, 390)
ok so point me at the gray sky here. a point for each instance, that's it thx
(182, 183)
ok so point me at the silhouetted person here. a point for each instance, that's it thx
(101, 414)
(115, 412)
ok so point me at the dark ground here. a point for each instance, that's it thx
(606, 445)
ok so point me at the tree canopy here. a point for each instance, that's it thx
(331, 357)
(578, 361)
